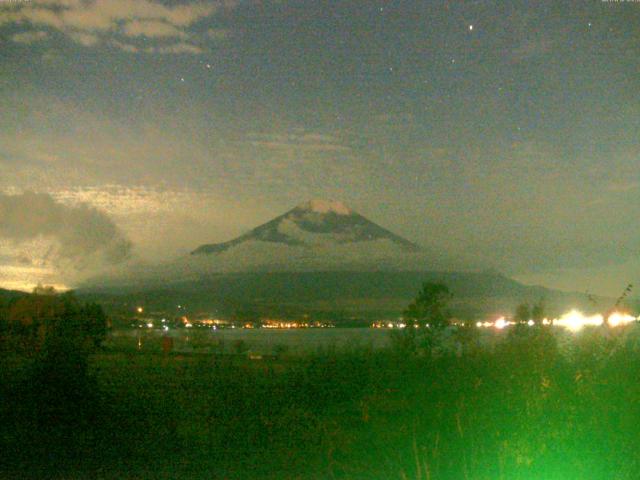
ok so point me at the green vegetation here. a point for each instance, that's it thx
(525, 312)
(520, 411)
(426, 320)
(429, 307)
(44, 320)
(546, 405)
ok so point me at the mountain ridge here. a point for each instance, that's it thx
(323, 256)
(380, 294)
(311, 224)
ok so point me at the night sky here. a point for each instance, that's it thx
(506, 131)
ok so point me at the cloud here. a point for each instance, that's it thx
(127, 47)
(86, 39)
(29, 37)
(175, 48)
(623, 186)
(81, 237)
(89, 22)
(217, 33)
(151, 28)
(299, 141)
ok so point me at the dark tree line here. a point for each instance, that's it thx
(46, 321)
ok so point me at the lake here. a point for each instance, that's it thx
(258, 340)
(263, 341)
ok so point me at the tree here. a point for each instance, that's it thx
(429, 307)
(94, 322)
(537, 312)
(523, 313)
(39, 320)
(4, 326)
(521, 317)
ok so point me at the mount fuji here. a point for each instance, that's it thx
(317, 223)
(317, 235)
(320, 256)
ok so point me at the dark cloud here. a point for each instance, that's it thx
(84, 237)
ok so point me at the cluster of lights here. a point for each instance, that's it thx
(211, 322)
(276, 324)
(384, 324)
(617, 318)
(573, 320)
(283, 324)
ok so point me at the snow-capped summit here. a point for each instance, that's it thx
(325, 206)
(315, 224)
(318, 234)
(315, 236)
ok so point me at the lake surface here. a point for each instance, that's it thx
(262, 341)
(259, 340)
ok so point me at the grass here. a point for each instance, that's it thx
(524, 409)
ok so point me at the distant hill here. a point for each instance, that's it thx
(366, 294)
(320, 258)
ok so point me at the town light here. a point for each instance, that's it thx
(575, 320)
(501, 323)
(618, 318)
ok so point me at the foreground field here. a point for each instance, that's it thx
(525, 409)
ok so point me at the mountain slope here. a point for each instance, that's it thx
(333, 293)
(319, 236)
(321, 256)
(316, 236)
(313, 224)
